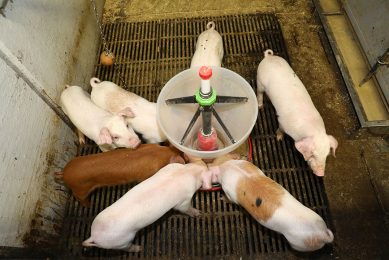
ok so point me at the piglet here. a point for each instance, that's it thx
(84, 174)
(113, 98)
(297, 115)
(108, 130)
(172, 187)
(270, 204)
(209, 48)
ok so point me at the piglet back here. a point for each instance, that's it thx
(84, 174)
(260, 196)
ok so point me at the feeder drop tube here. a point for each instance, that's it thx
(207, 136)
(207, 120)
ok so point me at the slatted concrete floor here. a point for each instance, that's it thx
(148, 55)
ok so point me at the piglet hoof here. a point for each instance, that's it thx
(81, 137)
(280, 135)
(193, 212)
(260, 100)
(58, 175)
(134, 248)
(81, 140)
(225, 199)
(85, 202)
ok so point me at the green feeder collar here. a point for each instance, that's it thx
(206, 101)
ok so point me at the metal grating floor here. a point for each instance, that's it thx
(148, 55)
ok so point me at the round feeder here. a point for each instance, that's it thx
(203, 124)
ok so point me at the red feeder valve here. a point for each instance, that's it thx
(205, 72)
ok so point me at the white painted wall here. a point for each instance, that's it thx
(55, 43)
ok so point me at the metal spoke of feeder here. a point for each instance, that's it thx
(191, 123)
(231, 99)
(223, 125)
(181, 100)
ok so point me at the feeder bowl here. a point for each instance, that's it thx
(239, 118)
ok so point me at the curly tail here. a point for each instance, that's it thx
(211, 25)
(268, 52)
(94, 82)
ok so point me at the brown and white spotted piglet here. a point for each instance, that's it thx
(270, 204)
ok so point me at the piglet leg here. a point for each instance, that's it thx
(225, 199)
(83, 201)
(260, 91)
(81, 137)
(58, 178)
(193, 212)
(279, 134)
(134, 248)
(58, 175)
(260, 100)
(187, 208)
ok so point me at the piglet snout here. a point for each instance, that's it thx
(329, 236)
(318, 171)
(134, 142)
(316, 241)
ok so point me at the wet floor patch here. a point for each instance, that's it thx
(148, 54)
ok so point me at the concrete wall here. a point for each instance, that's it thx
(44, 44)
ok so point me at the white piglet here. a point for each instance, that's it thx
(209, 48)
(113, 98)
(270, 204)
(171, 187)
(108, 130)
(297, 115)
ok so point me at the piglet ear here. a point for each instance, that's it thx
(191, 158)
(177, 159)
(104, 137)
(126, 112)
(333, 144)
(224, 158)
(234, 156)
(305, 146)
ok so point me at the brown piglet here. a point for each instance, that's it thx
(84, 174)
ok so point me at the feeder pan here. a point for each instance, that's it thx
(238, 117)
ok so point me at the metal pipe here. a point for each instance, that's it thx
(207, 120)
(32, 82)
(2, 7)
(223, 126)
